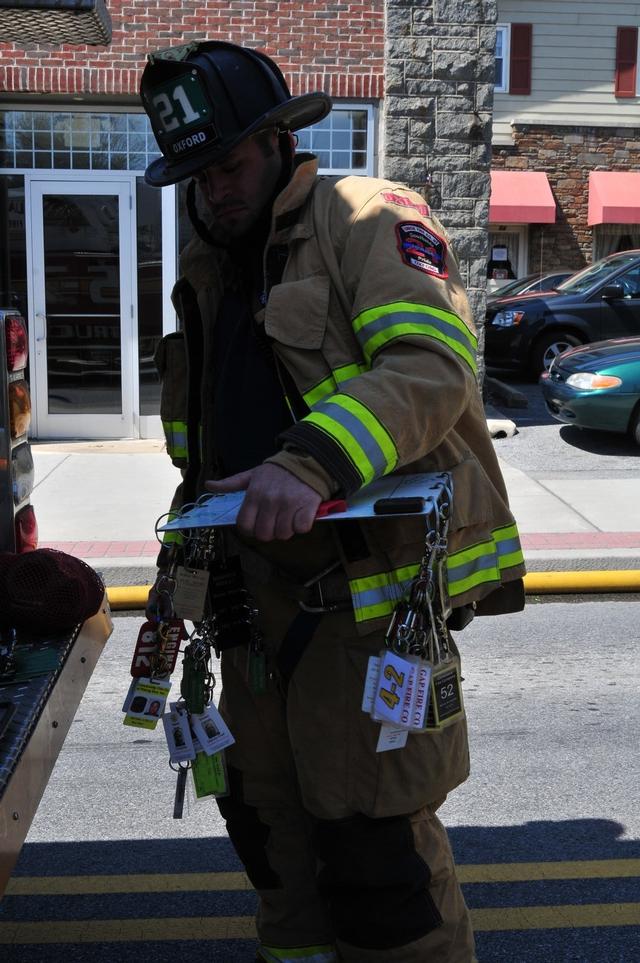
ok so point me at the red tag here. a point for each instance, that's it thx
(146, 647)
(157, 647)
(171, 633)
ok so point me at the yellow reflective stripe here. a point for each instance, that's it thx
(484, 561)
(310, 954)
(377, 326)
(174, 537)
(363, 439)
(375, 428)
(328, 385)
(176, 435)
(345, 440)
(320, 391)
(376, 595)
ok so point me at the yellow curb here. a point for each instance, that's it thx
(557, 583)
(536, 583)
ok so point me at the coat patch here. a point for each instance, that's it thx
(403, 201)
(422, 249)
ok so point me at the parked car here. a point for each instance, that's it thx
(596, 386)
(528, 331)
(529, 284)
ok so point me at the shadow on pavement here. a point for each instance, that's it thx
(535, 842)
(599, 442)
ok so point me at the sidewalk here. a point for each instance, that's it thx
(100, 501)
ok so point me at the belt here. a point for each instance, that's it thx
(326, 591)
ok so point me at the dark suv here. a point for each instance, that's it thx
(526, 332)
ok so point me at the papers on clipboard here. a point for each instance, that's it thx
(218, 511)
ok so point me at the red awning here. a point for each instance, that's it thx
(614, 197)
(521, 197)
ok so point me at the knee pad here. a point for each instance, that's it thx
(248, 835)
(375, 882)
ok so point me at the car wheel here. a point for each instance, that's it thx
(548, 347)
(634, 425)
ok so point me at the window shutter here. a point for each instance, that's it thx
(626, 61)
(520, 60)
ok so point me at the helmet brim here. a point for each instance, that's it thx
(293, 115)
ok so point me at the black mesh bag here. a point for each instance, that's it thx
(47, 591)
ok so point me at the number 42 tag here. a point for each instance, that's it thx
(401, 695)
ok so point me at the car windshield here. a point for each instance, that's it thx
(595, 273)
(513, 287)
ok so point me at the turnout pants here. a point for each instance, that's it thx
(342, 844)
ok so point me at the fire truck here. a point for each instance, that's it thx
(36, 707)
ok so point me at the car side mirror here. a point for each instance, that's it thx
(612, 292)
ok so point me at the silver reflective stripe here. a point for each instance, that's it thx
(299, 955)
(391, 592)
(360, 432)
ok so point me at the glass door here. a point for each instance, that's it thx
(84, 353)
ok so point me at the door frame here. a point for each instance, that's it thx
(127, 424)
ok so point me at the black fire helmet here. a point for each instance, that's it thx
(204, 98)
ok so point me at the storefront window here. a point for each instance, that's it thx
(52, 140)
(614, 238)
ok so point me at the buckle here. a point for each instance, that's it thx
(324, 594)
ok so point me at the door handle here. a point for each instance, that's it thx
(41, 327)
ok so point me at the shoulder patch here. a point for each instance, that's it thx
(422, 249)
(403, 201)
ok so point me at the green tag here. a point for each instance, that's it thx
(257, 671)
(192, 687)
(209, 775)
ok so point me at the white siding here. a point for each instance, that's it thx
(573, 64)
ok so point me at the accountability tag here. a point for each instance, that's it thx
(146, 649)
(211, 731)
(447, 693)
(391, 737)
(395, 689)
(209, 774)
(190, 593)
(178, 735)
(145, 702)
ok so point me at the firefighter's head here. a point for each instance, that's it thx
(207, 100)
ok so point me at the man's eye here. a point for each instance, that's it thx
(231, 168)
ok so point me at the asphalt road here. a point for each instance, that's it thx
(546, 831)
(545, 448)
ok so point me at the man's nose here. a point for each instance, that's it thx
(218, 186)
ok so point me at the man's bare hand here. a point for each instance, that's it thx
(277, 504)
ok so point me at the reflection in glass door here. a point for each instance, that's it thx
(82, 309)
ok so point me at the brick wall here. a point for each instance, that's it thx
(338, 47)
(567, 155)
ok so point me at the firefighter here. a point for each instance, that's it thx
(325, 341)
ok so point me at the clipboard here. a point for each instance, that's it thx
(429, 488)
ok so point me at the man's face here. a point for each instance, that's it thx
(238, 189)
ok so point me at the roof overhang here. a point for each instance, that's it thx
(614, 197)
(521, 197)
(55, 21)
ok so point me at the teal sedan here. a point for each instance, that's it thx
(596, 386)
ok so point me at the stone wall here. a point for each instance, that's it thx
(436, 127)
(567, 155)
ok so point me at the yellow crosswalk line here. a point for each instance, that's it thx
(527, 872)
(130, 931)
(555, 917)
(210, 882)
(243, 928)
(123, 883)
